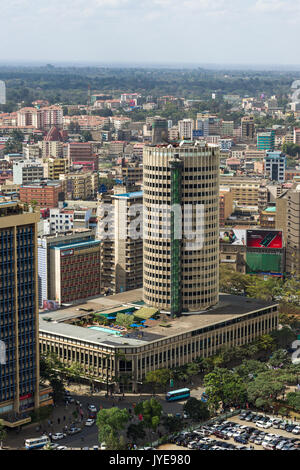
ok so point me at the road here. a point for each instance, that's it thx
(88, 437)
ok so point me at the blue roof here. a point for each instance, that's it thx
(75, 245)
(129, 195)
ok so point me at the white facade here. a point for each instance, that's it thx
(186, 127)
(27, 171)
(60, 221)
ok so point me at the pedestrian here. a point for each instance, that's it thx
(64, 418)
(58, 420)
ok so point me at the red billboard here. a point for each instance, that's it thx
(264, 239)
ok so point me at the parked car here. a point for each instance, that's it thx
(74, 431)
(90, 422)
(92, 408)
(57, 436)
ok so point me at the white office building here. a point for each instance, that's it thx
(27, 171)
(185, 128)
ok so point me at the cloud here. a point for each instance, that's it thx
(277, 6)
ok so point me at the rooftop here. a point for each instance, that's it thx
(130, 195)
(229, 307)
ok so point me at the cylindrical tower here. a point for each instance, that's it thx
(181, 226)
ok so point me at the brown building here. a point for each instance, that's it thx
(75, 271)
(46, 194)
(226, 205)
(248, 128)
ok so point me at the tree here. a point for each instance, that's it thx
(250, 368)
(284, 337)
(232, 282)
(110, 423)
(3, 434)
(124, 320)
(151, 411)
(266, 342)
(196, 409)
(280, 358)
(293, 400)
(265, 388)
(87, 136)
(159, 377)
(224, 386)
(52, 371)
(172, 423)
(136, 432)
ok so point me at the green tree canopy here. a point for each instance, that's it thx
(151, 411)
(196, 409)
(110, 423)
(224, 386)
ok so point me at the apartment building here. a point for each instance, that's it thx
(27, 171)
(245, 191)
(122, 243)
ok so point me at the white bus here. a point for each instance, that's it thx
(36, 442)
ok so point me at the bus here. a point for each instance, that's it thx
(36, 442)
(181, 394)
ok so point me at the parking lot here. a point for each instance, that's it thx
(247, 431)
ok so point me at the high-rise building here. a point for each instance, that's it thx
(159, 131)
(266, 141)
(19, 372)
(2, 92)
(185, 129)
(275, 163)
(121, 253)
(181, 270)
(56, 267)
(247, 128)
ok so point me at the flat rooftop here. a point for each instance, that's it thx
(229, 307)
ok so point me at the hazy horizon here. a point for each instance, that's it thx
(261, 32)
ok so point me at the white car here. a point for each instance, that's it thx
(61, 448)
(92, 408)
(103, 446)
(296, 430)
(90, 422)
(57, 436)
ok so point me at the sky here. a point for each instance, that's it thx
(259, 32)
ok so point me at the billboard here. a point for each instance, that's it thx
(233, 236)
(269, 264)
(264, 239)
(50, 305)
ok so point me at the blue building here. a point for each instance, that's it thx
(19, 366)
(275, 165)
